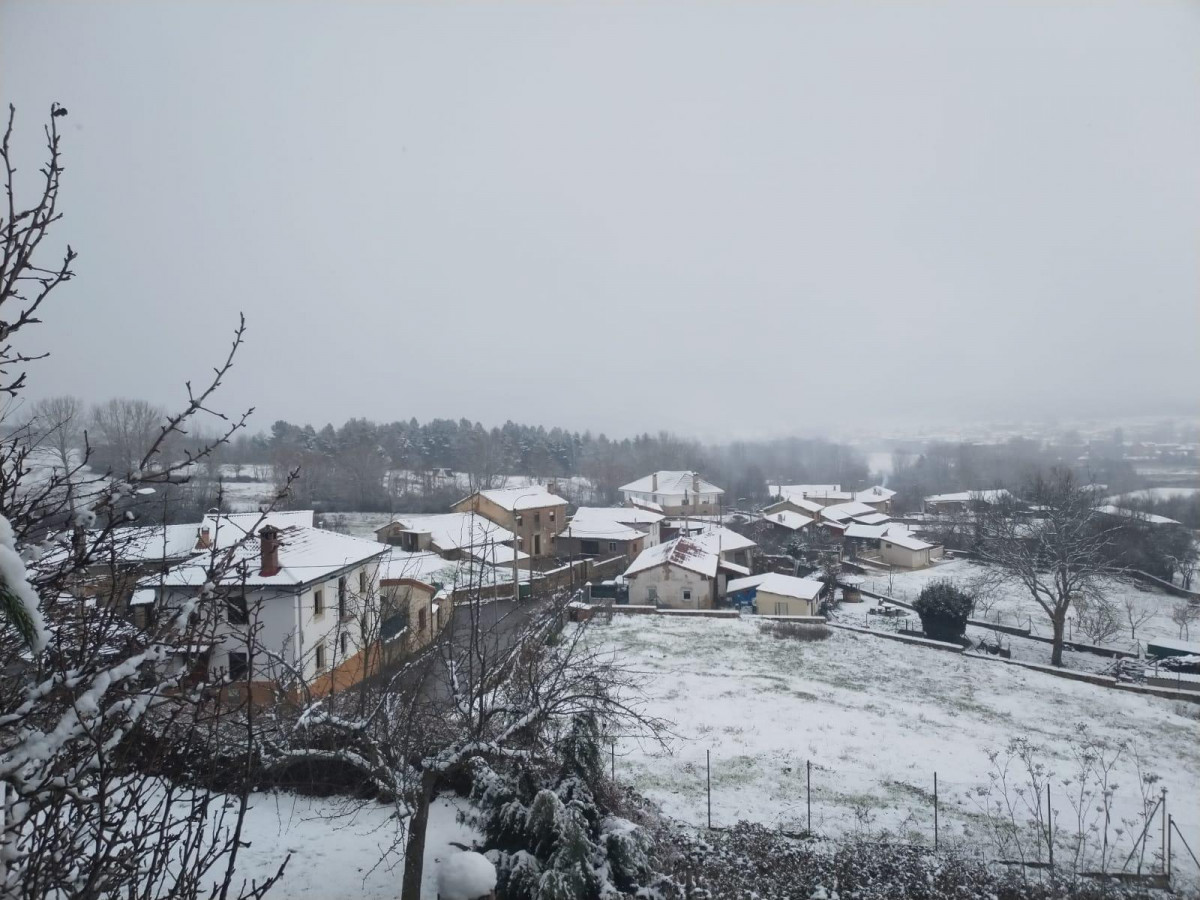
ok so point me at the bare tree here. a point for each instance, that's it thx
(1096, 618)
(1183, 615)
(1057, 558)
(123, 428)
(98, 718)
(56, 423)
(1137, 613)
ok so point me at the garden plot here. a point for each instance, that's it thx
(876, 719)
(1010, 604)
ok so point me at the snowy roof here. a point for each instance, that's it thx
(797, 501)
(736, 585)
(533, 496)
(456, 530)
(994, 496)
(790, 586)
(727, 540)
(840, 511)
(229, 528)
(684, 552)
(647, 505)
(305, 555)
(670, 483)
(424, 567)
(799, 490)
(607, 523)
(1123, 513)
(906, 540)
(874, 494)
(789, 519)
(873, 519)
(872, 532)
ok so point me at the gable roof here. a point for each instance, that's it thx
(671, 482)
(229, 528)
(513, 499)
(456, 530)
(874, 494)
(796, 501)
(903, 538)
(684, 552)
(608, 523)
(870, 532)
(789, 586)
(992, 496)
(305, 555)
(839, 512)
(788, 519)
(873, 519)
(727, 540)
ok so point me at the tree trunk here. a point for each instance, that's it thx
(1059, 620)
(414, 845)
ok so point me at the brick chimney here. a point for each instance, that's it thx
(695, 482)
(203, 538)
(654, 483)
(268, 537)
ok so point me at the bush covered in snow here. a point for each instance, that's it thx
(551, 832)
(944, 609)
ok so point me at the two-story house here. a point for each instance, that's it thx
(533, 513)
(675, 493)
(291, 602)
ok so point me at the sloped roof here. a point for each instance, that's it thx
(533, 496)
(799, 490)
(790, 586)
(305, 555)
(608, 523)
(797, 501)
(671, 482)
(229, 528)
(1123, 513)
(992, 496)
(788, 519)
(874, 494)
(423, 566)
(684, 552)
(726, 539)
(906, 539)
(859, 530)
(873, 519)
(456, 530)
(840, 511)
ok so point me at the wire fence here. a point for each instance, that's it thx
(1027, 818)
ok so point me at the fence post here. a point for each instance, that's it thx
(1049, 826)
(935, 813)
(613, 747)
(1164, 828)
(708, 771)
(1170, 825)
(808, 792)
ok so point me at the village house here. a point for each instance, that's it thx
(416, 592)
(295, 600)
(609, 531)
(675, 493)
(796, 504)
(787, 522)
(878, 497)
(454, 536)
(963, 501)
(533, 513)
(904, 550)
(775, 594)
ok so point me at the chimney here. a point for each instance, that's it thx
(268, 537)
(654, 483)
(695, 482)
(203, 538)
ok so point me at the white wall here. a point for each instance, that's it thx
(670, 582)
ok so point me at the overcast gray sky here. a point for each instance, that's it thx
(713, 217)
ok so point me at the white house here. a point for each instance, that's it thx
(688, 572)
(294, 597)
(776, 594)
(609, 531)
(901, 548)
(962, 501)
(675, 493)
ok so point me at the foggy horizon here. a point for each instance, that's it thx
(750, 221)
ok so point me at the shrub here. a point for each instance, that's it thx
(944, 610)
(796, 631)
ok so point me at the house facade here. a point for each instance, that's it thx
(675, 493)
(609, 531)
(532, 513)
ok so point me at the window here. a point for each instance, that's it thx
(239, 666)
(687, 595)
(320, 656)
(612, 545)
(520, 520)
(318, 602)
(537, 520)
(439, 620)
(652, 595)
(421, 620)
(345, 644)
(362, 582)
(781, 609)
(235, 610)
(537, 545)
(342, 596)
(551, 517)
(589, 547)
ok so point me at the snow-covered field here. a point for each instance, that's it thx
(1157, 493)
(876, 718)
(1010, 605)
(336, 850)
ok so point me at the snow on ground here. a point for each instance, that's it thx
(1156, 493)
(336, 848)
(876, 718)
(1011, 605)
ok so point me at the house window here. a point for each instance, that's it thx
(652, 595)
(420, 620)
(362, 582)
(781, 609)
(239, 666)
(320, 657)
(439, 620)
(345, 644)
(551, 517)
(537, 520)
(235, 610)
(687, 595)
(589, 547)
(342, 597)
(318, 602)
(520, 520)
(537, 545)
(612, 545)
